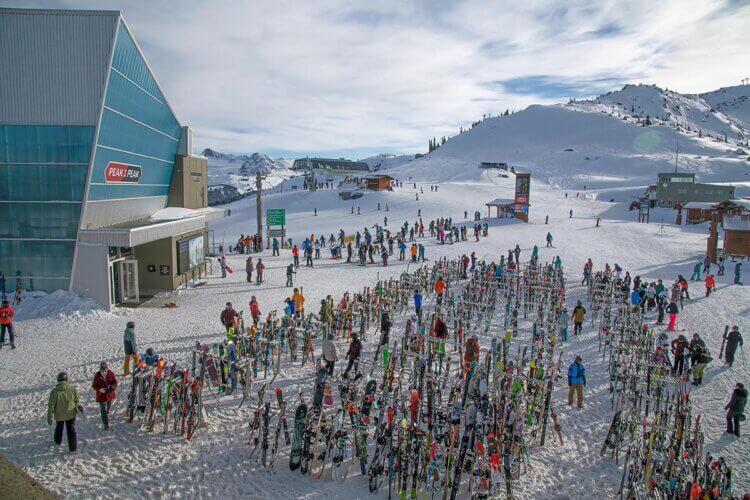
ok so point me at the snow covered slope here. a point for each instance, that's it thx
(231, 177)
(732, 101)
(598, 143)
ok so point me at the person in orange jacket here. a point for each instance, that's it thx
(710, 284)
(440, 287)
(413, 252)
(6, 324)
(295, 256)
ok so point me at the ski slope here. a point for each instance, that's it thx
(127, 463)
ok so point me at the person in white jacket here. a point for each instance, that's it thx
(329, 355)
(562, 324)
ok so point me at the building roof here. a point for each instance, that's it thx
(141, 231)
(54, 65)
(381, 176)
(333, 164)
(501, 202)
(703, 205)
(736, 223)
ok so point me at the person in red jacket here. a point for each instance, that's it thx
(254, 310)
(6, 324)
(228, 316)
(104, 385)
(710, 284)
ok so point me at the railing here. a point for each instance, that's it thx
(203, 269)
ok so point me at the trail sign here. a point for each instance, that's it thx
(275, 217)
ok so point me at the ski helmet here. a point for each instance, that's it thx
(62, 377)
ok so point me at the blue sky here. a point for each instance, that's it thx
(351, 79)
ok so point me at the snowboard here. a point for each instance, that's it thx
(300, 422)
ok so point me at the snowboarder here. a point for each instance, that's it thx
(579, 314)
(62, 407)
(131, 350)
(355, 350)
(6, 324)
(104, 385)
(549, 239)
(576, 381)
(736, 409)
(733, 339)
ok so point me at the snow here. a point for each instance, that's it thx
(174, 213)
(63, 332)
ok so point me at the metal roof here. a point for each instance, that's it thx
(139, 232)
(501, 202)
(703, 205)
(736, 223)
(54, 65)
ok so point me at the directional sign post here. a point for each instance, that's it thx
(275, 217)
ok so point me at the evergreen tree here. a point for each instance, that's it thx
(647, 122)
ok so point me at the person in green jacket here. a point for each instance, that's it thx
(62, 407)
(131, 349)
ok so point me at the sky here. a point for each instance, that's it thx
(351, 79)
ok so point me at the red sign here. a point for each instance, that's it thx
(122, 172)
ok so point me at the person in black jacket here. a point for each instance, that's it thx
(385, 328)
(735, 408)
(355, 349)
(733, 339)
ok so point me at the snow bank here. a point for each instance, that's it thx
(60, 303)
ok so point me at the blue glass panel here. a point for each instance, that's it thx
(44, 259)
(114, 191)
(39, 220)
(42, 182)
(152, 171)
(45, 143)
(125, 97)
(127, 61)
(117, 131)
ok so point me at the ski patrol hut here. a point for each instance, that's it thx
(379, 182)
(698, 212)
(737, 235)
(504, 207)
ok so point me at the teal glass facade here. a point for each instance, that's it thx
(137, 128)
(42, 180)
(44, 170)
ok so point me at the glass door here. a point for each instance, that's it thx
(115, 295)
(129, 280)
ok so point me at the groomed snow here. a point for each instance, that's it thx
(127, 463)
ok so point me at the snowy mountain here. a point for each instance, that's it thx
(385, 161)
(231, 177)
(732, 101)
(602, 142)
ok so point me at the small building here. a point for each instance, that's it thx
(736, 235)
(698, 212)
(504, 206)
(379, 182)
(494, 164)
(678, 188)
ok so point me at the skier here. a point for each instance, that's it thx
(696, 271)
(738, 273)
(683, 288)
(702, 357)
(401, 250)
(249, 269)
(710, 284)
(131, 350)
(385, 327)
(679, 351)
(259, 268)
(418, 303)
(706, 265)
(579, 314)
(549, 239)
(6, 324)
(228, 317)
(254, 310)
(328, 354)
(275, 247)
(570, 214)
(736, 409)
(384, 257)
(562, 324)
(295, 256)
(576, 381)
(517, 253)
(355, 350)
(299, 303)
(62, 407)
(440, 287)
(733, 339)
(104, 385)
(420, 251)
(289, 273)
(672, 310)
(223, 264)
(413, 251)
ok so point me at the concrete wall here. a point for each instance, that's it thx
(92, 274)
(189, 185)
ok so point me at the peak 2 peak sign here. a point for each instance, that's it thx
(122, 172)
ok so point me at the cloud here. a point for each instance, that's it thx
(339, 76)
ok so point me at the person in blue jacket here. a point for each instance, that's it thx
(418, 302)
(150, 358)
(576, 381)
(635, 298)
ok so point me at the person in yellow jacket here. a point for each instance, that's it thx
(579, 314)
(299, 303)
(62, 408)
